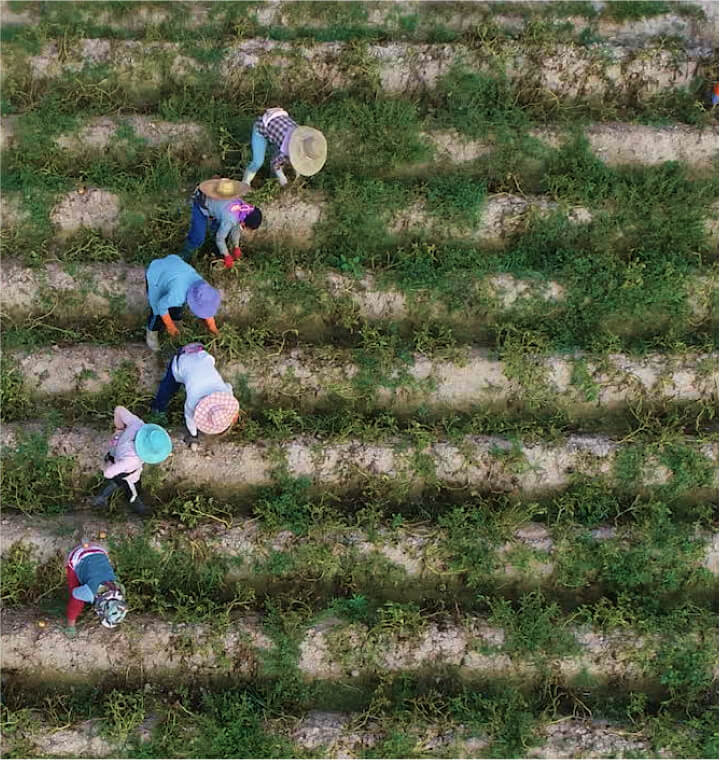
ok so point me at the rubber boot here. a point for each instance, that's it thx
(152, 340)
(139, 507)
(101, 500)
(248, 177)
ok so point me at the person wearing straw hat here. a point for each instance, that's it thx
(171, 282)
(304, 148)
(133, 445)
(219, 201)
(91, 579)
(210, 406)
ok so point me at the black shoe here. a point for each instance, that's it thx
(139, 507)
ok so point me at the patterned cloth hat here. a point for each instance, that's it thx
(203, 299)
(216, 412)
(110, 604)
(307, 150)
(152, 444)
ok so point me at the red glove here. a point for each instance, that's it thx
(229, 261)
(237, 253)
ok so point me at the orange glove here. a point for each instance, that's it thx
(210, 321)
(169, 325)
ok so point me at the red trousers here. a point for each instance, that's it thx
(74, 606)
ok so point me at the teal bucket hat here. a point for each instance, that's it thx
(152, 444)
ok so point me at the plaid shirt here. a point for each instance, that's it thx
(276, 132)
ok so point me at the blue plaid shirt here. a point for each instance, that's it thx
(275, 132)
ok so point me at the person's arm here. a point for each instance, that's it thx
(235, 234)
(124, 417)
(222, 233)
(210, 322)
(190, 424)
(169, 324)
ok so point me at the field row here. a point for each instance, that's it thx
(144, 69)
(324, 733)
(410, 20)
(323, 306)
(234, 560)
(329, 378)
(331, 649)
(490, 463)
(122, 138)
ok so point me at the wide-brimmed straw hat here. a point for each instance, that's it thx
(307, 150)
(152, 444)
(203, 299)
(224, 189)
(216, 412)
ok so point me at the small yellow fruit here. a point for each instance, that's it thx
(41, 623)
(102, 534)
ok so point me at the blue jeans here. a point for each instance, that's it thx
(259, 145)
(198, 227)
(169, 386)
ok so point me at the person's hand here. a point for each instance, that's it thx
(173, 331)
(237, 253)
(70, 631)
(210, 322)
(191, 440)
(228, 261)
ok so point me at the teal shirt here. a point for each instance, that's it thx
(168, 280)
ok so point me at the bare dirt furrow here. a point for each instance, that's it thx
(66, 292)
(313, 378)
(492, 463)
(617, 143)
(567, 70)
(292, 219)
(145, 647)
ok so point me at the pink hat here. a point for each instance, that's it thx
(216, 412)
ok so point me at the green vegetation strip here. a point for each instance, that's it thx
(195, 571)
(398, 716)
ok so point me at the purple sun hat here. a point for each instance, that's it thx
(203, 299)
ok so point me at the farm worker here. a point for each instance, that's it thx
(91, 579)
(303, 147)
(219, 201)
(170, 283)
(210, 406)
(133, 444)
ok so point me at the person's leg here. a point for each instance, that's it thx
(259, 145)
(198, 229)
(154, 324)
(138, 503)
(74, 606)
(169, 386)
(101, 500)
